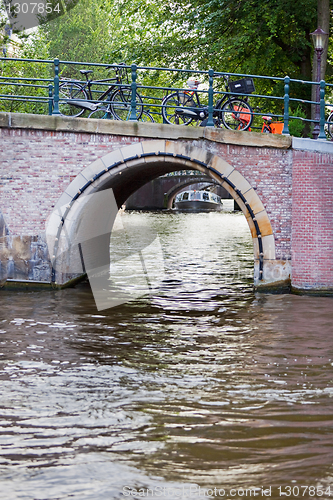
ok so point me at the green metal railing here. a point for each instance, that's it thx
(22, 92)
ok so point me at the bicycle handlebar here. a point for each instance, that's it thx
(226, 78)
(116, 66)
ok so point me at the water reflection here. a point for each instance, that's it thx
(204, 383)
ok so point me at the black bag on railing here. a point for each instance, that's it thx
(243, 86)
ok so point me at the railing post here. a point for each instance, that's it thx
(210, 121)
(56, 88)
(285, 130)
(50, 98)
(133, 95)
(322, 134)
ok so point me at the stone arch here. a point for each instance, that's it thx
(127, 169)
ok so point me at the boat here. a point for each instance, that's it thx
(198, 201)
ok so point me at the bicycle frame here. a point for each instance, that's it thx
(108, 91)
(195, 93)
(116, 99)
(200, 111)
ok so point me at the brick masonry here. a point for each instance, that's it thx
(312, 216)
(36, 168)
(269, 171)
(295, 187)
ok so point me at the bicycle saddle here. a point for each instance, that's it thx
(267, 118)
(193, 84)
(86, 71)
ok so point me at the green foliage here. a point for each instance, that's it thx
(82, 34)
(23, 46)
(23, 89)
(296, 127)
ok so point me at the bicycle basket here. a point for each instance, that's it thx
(243, 86)
(237, 114)
(277, 127)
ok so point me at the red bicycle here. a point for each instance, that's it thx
(270, 127)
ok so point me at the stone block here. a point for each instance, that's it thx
(276, 274)
(221, 166)
(94, 168)
(254, 201)
(132, 150)
(264, 223)
(76, 185)
(239, 180)
(268, 244)
(153, 146)
(187, 149)
(113, 157)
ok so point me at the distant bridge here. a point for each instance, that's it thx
(284, 187)
(161, 192)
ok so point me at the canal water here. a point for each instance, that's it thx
(203, 389)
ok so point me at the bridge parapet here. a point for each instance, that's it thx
(25, 121)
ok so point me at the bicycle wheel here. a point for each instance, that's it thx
(102, 114)
(146, 117)
(329, 126)
(236, 114)
(169, 108)
(71, 91)
(121, 104)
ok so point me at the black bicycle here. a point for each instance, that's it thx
(75, 98)
(183, 107)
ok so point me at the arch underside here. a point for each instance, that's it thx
(127, 169)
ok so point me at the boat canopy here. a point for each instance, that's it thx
(198, 195)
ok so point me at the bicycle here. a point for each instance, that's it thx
(184, 107)
(270, 127)
(73, 94)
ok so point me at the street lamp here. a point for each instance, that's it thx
(319, 38)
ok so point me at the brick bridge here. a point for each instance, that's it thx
(284, 187)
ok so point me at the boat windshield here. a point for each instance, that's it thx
(198, 195)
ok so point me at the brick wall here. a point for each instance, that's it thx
(269, 171)
(312, 215)
(37, 166)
